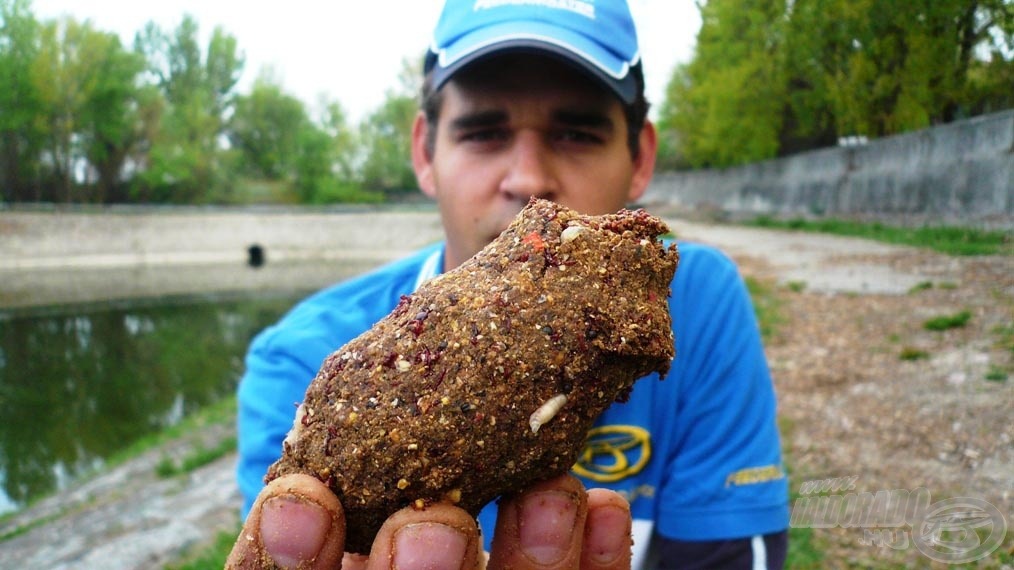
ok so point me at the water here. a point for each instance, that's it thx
(80, 383)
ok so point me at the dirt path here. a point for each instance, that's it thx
(850, 405)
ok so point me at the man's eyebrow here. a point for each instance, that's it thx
(584, 119)
(478, 119)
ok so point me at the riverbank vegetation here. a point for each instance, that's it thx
(88, 119)
(776, 77)
(945, 239)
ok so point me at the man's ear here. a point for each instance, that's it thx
(422, 162)
(644, 162)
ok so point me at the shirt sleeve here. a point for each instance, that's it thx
(724, 476)
(279, 367)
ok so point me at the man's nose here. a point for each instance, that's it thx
(530, 170)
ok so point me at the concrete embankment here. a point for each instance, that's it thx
(958, 174)
(71, 256)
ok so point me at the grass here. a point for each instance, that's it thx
(1005, 337)
(196, 459)
(910, 353)
(766, 305)
(947, 322)
(804, 551)
(219, 412)
(211, 557)
(18, 531)
(945, 239)
(796, 286)
(996, 374)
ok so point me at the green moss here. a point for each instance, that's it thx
(947, 322)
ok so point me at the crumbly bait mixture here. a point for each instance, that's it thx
(489, 376)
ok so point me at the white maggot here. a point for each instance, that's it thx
(546, 412)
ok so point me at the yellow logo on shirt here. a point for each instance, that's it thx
(754, 475)
(612, 453)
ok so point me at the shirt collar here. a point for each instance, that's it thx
(430, 268)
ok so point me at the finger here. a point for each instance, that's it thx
(607, 532)
(296, 520)
(541, 528)
(437, 536)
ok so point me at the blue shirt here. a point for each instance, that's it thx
(697, 454)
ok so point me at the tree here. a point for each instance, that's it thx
(110, 116)
(387, 142)
(185, 161)
(266, 128)
(326, 163)
(21, 138)
(334, 122)
(726, 104)
(87, 83)
(880, 67)
(773, 77)
(386, 135)
(983, 77)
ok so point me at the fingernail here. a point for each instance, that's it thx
(429, 545)
(293, 530)
(607, 534)
(546, 526)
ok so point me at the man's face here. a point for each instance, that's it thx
(525, 126)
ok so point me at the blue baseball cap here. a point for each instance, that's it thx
(598, 36)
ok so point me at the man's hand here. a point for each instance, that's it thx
(298, 522)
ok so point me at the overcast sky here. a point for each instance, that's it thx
(349, 51)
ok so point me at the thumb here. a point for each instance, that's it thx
(296, 520)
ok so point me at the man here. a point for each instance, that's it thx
(545, 98)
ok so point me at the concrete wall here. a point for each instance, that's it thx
(960, 173)
(139, 236)
(84, 255)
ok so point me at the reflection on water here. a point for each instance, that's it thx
(79, 383)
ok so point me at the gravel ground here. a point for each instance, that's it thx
(850, 405)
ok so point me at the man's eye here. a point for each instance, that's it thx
(577, 136)
(485, 135)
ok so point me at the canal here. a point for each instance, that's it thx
(117, 323)
(79, 383)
